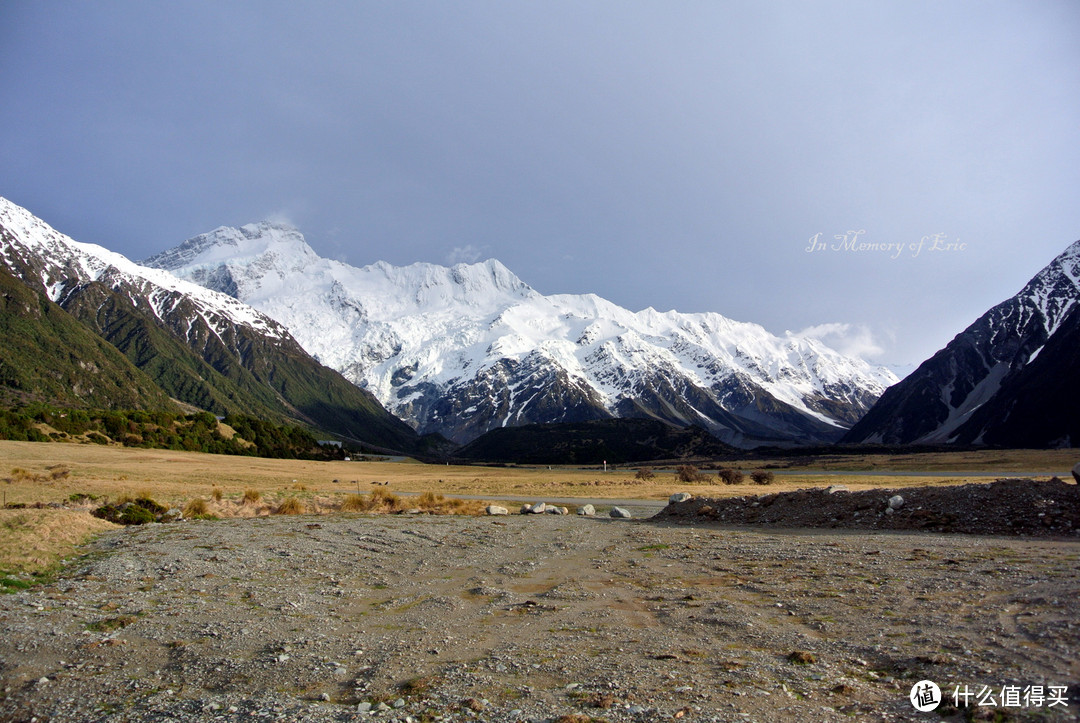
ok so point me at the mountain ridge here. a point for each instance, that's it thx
(465, 349)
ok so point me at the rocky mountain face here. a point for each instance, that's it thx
(1009, 379)
(470, 348)
(198, 346)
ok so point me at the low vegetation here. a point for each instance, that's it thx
(236, 434)
(33, 540)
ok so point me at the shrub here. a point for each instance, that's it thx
(688, 473)
(136, 512)
(645, 473)
(762, 477)
(731, 476)
(290, 506)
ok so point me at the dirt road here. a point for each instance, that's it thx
(531, 618)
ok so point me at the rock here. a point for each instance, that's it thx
(363, 707)
(173, 515)
(833, 489)
(539, 508)
(896, 502)
(890, 511)
(497, 510)
(341, 671)
(325, 697)
(586, 510)
(620, 513)
(526, 509)
(1076, 473)
(399, 703)
(553, 510)
(679, 497)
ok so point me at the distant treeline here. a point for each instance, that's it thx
(165, 430)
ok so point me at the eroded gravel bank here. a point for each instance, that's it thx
(532, 618)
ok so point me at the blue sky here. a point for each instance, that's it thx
(675, 155)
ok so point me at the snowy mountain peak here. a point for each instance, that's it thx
(31, 240)
(249, 242)
(463, 349)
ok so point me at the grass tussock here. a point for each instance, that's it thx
(380, 501)
(290, 506)
(217, 493)
(252, 496)
(197, 508)
(35, 540)
(52, 473)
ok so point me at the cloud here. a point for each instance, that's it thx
(467, 254)
(850, 339)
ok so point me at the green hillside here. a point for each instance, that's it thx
(46, 355)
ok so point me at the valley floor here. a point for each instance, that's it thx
(318, 618)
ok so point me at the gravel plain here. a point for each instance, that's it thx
(539, 618)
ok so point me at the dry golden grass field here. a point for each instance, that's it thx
(34, 473)
(29, 474)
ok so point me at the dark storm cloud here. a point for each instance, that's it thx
(665, 154)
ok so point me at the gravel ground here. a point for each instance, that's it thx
(1007, 507)
(537, 618)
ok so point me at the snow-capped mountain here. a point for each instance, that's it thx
(62, 264)
(469, 348)
(202, 347)
(1009, 379)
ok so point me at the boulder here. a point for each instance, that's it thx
(586, 510)
(833, 489)
(526, 509)
(679, 497)
(539, 508)
(620, 513)
(497, 510)
(896, 502)
(1076, 473)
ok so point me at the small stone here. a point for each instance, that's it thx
(399, 703)
(325, 697)
(341, 671)
(363, 707)
(43, 681)
(497, 510)
(679, 497)
(833, 489)
(282, 658)
(383, 707)
(586, 510)
(890, 511)
(620, 513)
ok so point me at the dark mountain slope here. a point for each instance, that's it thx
(1009, 379)
(616, 441)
